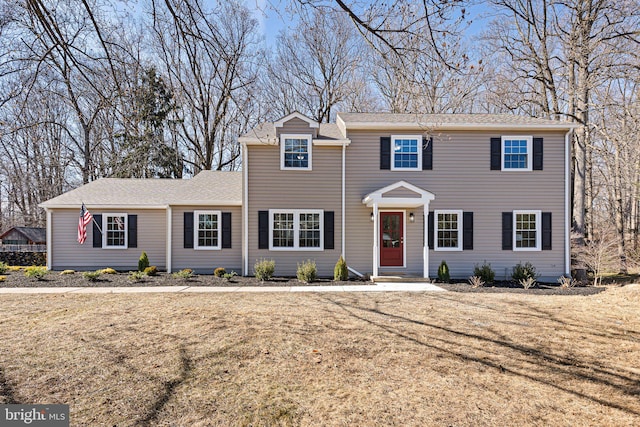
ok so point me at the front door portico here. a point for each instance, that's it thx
(388, 205)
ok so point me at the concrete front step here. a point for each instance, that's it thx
(399, 279)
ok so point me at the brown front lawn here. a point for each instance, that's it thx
(326, 359)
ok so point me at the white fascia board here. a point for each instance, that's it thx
(296, 115)
(207, 203)
(341, 125)
(250, 140)
(457, 126)
(92, 207)
(331, 142)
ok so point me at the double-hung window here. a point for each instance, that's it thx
(207, 229)
(527, 230)
(406, 152)
(295, 152)
(448, 231)
(517, 153)
(114, 231)
(296, 229)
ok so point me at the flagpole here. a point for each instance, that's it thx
(93, 219)
(96, 224)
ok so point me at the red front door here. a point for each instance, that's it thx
(391, 239)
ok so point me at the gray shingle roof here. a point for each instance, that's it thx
(376, 120)
(206, 188)
(266, 132)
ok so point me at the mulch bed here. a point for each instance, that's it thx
(17, 279)
(512, 287)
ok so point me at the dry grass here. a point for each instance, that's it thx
(326, 359)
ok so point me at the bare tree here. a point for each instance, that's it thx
(208, 56)
(317, 65)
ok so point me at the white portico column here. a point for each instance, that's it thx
(376, 240)
(425, 247)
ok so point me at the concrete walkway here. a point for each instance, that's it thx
(380, 287)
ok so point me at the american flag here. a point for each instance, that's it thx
(85, 219)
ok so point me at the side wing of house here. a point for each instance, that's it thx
(204, 238)
(116, 239)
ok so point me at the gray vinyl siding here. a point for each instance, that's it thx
(206, 261)
(296, 125)
(69, 254)
(272, 188)
(460, 179)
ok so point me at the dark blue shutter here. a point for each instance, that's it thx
(328, 229)
(467, 230)
(496, 154)
(132, 231)
(546, 231)
(97, 235)
(188, 230)
(427, 154)
(226, 230)
(537, 154)
(430, 229)
(507, 231)
(385, 152)
(263, 229)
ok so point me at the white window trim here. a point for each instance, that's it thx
(295, 136)
(196, 222)
(296, 229)
(529, 140)
(538, 230)
(419, 153)
(105, 215)
(436, 229)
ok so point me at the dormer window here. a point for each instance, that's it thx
(295, 152)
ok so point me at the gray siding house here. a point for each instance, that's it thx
(396, 194)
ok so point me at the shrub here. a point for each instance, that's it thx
(219, 272)
(264, 269)
(527, 283)
(185, 274)
(340, 271)
(152, 270)
(137, 276)
(567, 282)
(92, 276)
(108, 270)
(3, 267)
(526, 271)
(35, 272)
(307, 271)
(15, 268)
(64, 272)
(443, 272)
(230, 276)
(476, 282)
(485, 272)
(143, 262)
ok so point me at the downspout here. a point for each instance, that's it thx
(567, 203)
(342, 228)
(49, 242)
(245, 208)
(169, 237)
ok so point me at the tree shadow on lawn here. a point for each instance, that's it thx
(625, 381)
